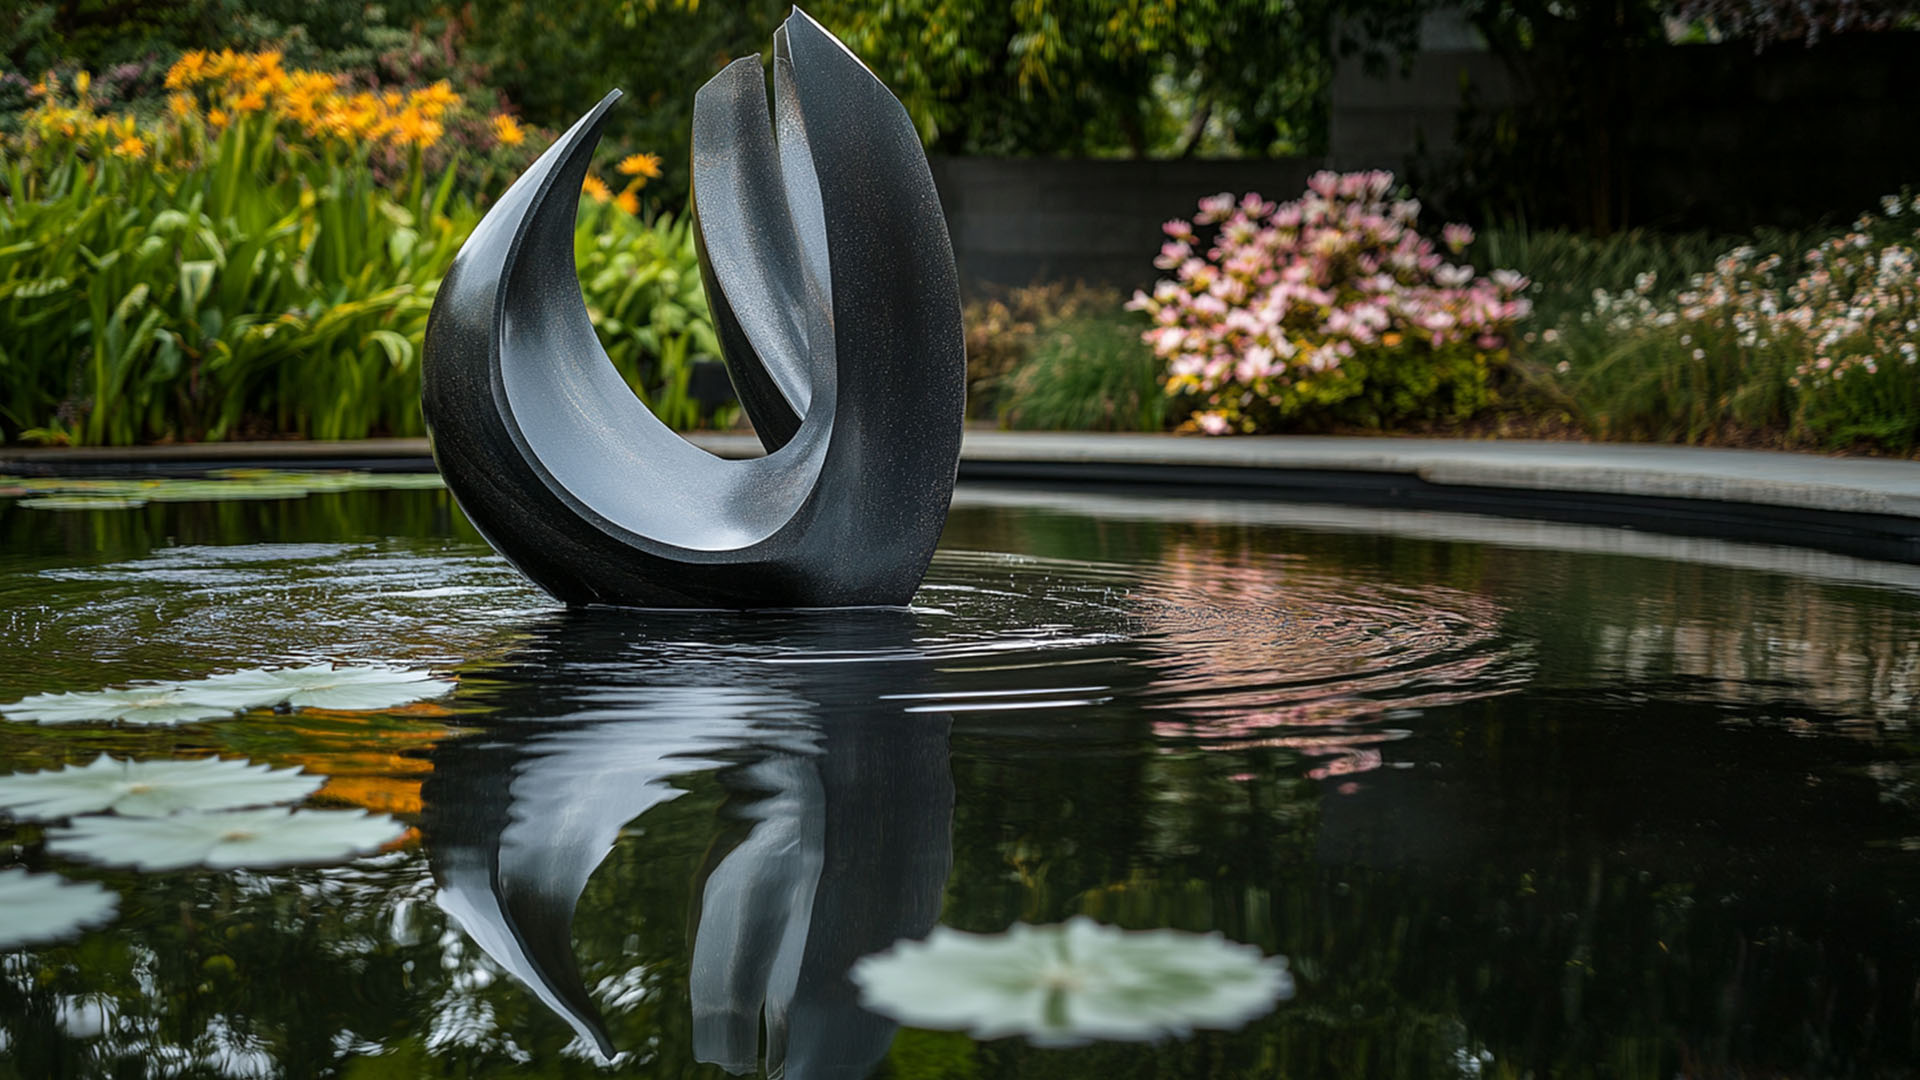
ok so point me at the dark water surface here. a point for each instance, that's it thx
(1514, 799)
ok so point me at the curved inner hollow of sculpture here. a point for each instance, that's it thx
(761, 222)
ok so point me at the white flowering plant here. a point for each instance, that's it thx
(1332, 308)
(1821, 341)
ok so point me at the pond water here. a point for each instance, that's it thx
(1512, 799)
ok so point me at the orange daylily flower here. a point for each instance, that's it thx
(647, 165)
(508, 131)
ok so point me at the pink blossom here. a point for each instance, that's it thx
(1277, 292)
(1214, 207)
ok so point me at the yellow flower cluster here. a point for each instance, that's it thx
(238, 84)
(77, 121)
(217, 89)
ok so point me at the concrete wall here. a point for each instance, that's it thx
(1380, 122)
(1015, 221)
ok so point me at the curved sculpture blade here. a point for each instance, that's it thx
(831, 278)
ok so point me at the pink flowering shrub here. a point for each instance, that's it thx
(1330, 308)
(1839, 326)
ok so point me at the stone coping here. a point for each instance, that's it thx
(1759, 478)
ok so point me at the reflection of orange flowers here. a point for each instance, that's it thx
(627, 201)
(379, 768)
(596, 189)
(131, 147)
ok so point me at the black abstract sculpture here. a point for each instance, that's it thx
(831, 279)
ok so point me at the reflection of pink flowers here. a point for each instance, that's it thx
(1326, 277)
(1270, 653)
(1357, 761)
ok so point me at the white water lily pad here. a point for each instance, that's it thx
(150, 788)
(43, 907)
(154, 705)
(224, 839)
(1072, 983)
(320, 686)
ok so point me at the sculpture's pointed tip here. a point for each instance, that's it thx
(809, 23)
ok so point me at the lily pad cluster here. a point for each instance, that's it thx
(165, 815)
(315, 686)
(1072, 983)
(86, 493)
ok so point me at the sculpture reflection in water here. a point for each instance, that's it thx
(847, 800)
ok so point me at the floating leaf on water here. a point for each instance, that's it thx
(225, 491)
(320, 686)
(81, 502)
(402, 481)
(222, 485)
(224, 839)
(150, 788)
(157, 704)
(43, 907)
(1072, 983)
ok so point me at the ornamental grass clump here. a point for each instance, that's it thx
(1331, 309)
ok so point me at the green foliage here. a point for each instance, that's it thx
(1145, 77)
(553, 60)
(1003, 325)
(1567, 267)
(1090, 373)
(98, 34)
(181, 305)
(228, 285)
(1648, 384)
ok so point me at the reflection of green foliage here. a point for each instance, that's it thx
(932, 1055)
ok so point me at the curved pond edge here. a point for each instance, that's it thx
(1864, 507)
